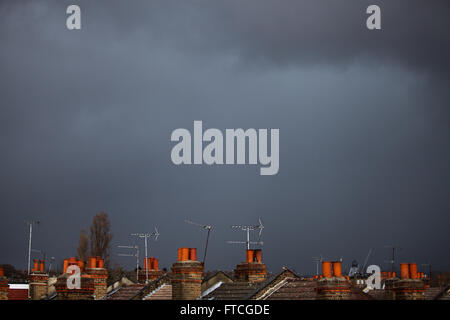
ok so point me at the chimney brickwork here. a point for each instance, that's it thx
(93, 280)
(187, 275)
(86, 291)
(332, 285)
(38, 280)
(410, 286)
(151, 266)
(97, 272)
(253, 270)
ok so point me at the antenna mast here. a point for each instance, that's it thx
(145, 236)
(30, 223)
(317, 260)
(247, 229)
(394, 249)
(136, 247)
(206, 227)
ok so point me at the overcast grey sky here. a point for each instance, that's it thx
(364, 119)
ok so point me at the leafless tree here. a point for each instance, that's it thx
(101, 236)
(83, 246)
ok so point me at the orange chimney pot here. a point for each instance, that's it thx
(413, 271)
(184, 254)
(404, 270)
(193, 254)
(155, 264)
(42, 265)
(337, 268)
(101, 263)
(326, 269)
(249, 255)
(257, 255)
(92, 262)
(2, 272)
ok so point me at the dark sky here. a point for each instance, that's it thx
(364, 119)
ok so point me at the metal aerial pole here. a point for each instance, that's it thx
(247, 229)
(30, 223)
(206, 246)
(145, 236)
(146, 261)
(206, 227)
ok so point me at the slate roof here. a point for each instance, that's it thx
(164, 292)
(126, 292)
(215, 273)
(293, 289)
(304, 289)
(232, 291)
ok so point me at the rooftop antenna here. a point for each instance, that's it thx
(206, 227)
(392, 261)
(317, 260)
(136, 254)
(247, 229)
(367, 260)
(145, 236)
(30, 224)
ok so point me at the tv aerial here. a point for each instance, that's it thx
(136, 255)
(247, 229)
(206, 227)
(146, 236)
(317, 260)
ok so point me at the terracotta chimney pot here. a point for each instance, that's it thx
(326, 269)
(413, 271)
(92, 262)
(257, 255)
(337, 268)
(184, 254)
(249, 255)
(193, 254)
(404, 270)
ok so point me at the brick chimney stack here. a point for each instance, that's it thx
(150, 267)
(86, 290)
(96, 271)
(3, 285)
(410, 286)
(187, 275)
(332, 285)
(38, 280)
(252, 270)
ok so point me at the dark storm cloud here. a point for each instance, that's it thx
(86, 118)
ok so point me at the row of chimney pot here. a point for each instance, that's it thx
(331, 269)
(409, 271)
(150, 263)
(93, 262)
(254, 255)
(38, 266)
(185, 254)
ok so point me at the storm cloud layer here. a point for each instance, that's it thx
(364, 119)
